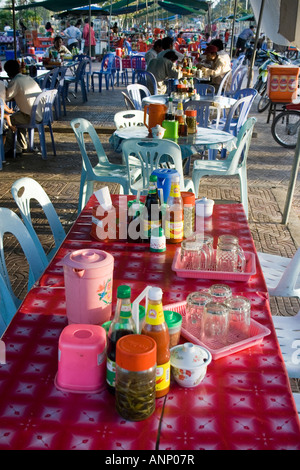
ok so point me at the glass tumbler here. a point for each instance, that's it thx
(230, 258)
(228, 239)
(195, 304)
(193, 255)
(239, 310)
(215, 324)
(220, 292)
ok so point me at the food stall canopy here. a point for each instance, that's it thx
(95, 11)
(55, 5)
(280, 20)
(130, 9)
(176, 9)
(246, 18)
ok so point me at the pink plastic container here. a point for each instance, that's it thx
(81, 359)
(88, 278)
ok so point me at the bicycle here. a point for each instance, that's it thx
(286, 125)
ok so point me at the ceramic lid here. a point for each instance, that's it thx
(189, 356)
(87, 259)
(205, 201)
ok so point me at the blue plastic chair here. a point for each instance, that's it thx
(7, 306)
(11, 223)
(237, 115)
(234, 164)
(107, 70)
(204, 89)
(88, 69)
(142, 77)
(78, 79)
(2, 154)
(60, 101)
(238, 76)
(104, 171)
(120, 72)
(203, 111)
(45, 102)
(23, 191)
(137, 62)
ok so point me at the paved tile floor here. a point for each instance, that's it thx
(269, 173)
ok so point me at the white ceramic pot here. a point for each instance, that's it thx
(189, 364)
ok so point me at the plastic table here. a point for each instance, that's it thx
(244, 402)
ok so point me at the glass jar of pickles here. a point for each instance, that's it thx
(135, 377)
(191, 120)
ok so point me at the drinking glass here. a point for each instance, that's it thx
(230, 258)
(220, 292)
(195, 304)
(228, 239)
(215, 323)
(239, 310)
(193, 255)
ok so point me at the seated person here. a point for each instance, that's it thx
(167, 44)
(215, 66)
(152, 53)
(163, 68)
(180, 39)
(7, 111)
(58, 47)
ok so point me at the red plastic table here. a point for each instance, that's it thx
(244, 402)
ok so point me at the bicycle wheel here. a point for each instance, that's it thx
(285, 128)
(264, 101)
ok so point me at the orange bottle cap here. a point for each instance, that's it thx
(136, 352)
(191, 112)
(188, 197)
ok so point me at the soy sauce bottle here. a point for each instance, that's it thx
(122, 325)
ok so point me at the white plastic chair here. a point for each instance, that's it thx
(224, 83)
(23, 191)
(136, 93)
(7, 306)
(234, 164)
(2, 154)
(296, 397)
(104, 171)
(150, 153)
(11, 223)
(129, 118)
(288, 335)
(282, 275)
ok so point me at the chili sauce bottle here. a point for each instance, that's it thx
(174, 213)
(122, 325)
(156, 327)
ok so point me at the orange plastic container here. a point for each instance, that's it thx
(282, 83)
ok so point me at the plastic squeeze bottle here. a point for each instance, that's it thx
(156, 327)
(122, 325)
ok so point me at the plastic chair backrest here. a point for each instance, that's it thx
(44, 102)
(107, 63)
(23, 191)
(137, 61)
(7, 306)
(11, 223)
(150, 152)
(205, 90)
(238, 157)
(129, 118)
(1, 132)
(137, 92)
(82, 127)
(237, 78)
(128, 47)
(203, 111)
(240, 108)
(147, 79)
(128, 102)
(237, 62)
(224, 83)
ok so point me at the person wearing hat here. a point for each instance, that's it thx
(163, 68)
(215, 67)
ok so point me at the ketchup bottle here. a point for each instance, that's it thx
(156, 327)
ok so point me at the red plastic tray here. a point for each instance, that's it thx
(250, 270)
(238, 342)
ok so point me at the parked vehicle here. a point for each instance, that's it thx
(286, 125)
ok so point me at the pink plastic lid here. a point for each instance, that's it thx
(87, 259)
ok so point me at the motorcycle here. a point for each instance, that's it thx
(261, 83)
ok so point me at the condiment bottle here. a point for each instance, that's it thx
(135, 209)
(156, 327)
(174, 213)
(135, 377)
(180, 117)
(191, 120)
(170, 115)
(122, 325)
(152, 214)
(189, 211)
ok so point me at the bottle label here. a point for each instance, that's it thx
(110, 372)
(175, 190)
(174, 230)
(150, 225)
(155, 314)
(125, 311)
(162, 376)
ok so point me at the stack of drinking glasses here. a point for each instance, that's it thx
(217, 317)
(197, 254)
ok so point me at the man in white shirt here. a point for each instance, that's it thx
(152, 53)
(162, 69)
(73, 35)
(23, 90)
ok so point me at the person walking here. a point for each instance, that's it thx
(73, 36)
(87, 35)
(246, 35)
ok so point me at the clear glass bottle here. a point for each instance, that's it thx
(174, 213)
(152, 218)
(122, 325)
(135, 377)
